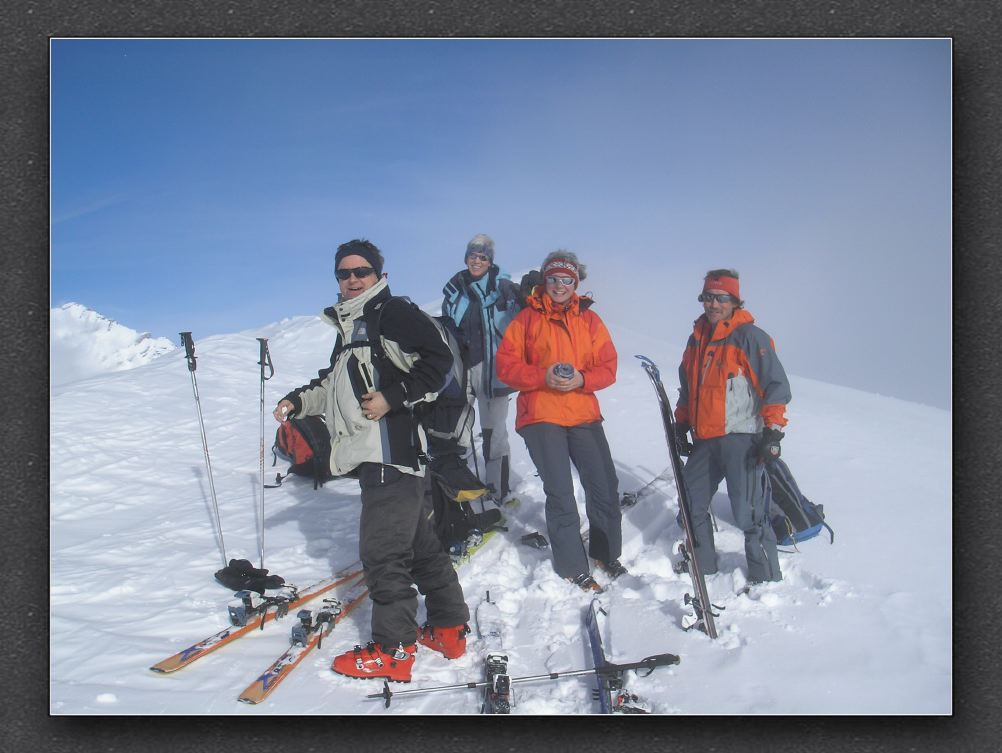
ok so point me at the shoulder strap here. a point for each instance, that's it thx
(374, 326)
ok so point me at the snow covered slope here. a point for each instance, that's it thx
(859, 627)
(82, 343)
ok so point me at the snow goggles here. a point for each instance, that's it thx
(559, 280)
(360, 272)
(718, 297)
(477, 257)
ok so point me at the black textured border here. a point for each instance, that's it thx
(26, 28)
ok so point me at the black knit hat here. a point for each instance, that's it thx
(363, 248)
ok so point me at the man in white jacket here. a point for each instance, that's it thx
(367, 395)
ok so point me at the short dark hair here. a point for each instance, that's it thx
(360, 247)
(723, 273)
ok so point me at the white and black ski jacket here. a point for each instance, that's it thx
(413, 369)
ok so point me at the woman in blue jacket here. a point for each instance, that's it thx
(481, 300)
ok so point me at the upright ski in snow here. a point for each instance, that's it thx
(250, 611)
(313, 627)
(702, 616)
(490, 630)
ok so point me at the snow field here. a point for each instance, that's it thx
(858, 627)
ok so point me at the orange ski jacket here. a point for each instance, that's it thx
(543, 334)
(731, 379)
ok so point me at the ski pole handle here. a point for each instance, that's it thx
(650, 664)
(189, 349)
(265, 359)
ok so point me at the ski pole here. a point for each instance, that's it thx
(264, 362)
(612, 670)
(189, 354)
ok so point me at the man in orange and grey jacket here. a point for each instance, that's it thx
(732, 396)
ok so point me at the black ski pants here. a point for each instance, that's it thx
(399, 549)
(731, 457)
(553, 448)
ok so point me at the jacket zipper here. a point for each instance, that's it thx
(702, 353)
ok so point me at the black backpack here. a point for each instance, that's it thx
(455, 380)
(305, 444)
(793, 516)
(455, 520)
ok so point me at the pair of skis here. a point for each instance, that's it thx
(702, 614)
(250, 611)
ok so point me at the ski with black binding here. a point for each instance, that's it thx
(490, 630)
(249, 611)
(313, 626)
(702, 609)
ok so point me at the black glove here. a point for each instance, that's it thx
(241, 574)
(768, 446)
(682, 440)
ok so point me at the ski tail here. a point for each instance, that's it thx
(604, 686)
(313, 627)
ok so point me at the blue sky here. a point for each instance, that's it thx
(204, 184)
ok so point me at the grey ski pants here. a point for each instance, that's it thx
(731, 457)
(399, 549)
(493, 412)
(553, 448)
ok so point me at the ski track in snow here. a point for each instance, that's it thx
(858, 627)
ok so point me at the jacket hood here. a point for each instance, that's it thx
(344, 312)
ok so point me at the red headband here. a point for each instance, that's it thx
(562, 267)
(727, 284)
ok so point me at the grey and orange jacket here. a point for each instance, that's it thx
(731, 379)
(544, 334)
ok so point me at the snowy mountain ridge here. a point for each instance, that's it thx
(83, 343)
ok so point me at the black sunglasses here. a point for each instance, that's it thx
(477, 257)
(718, 297)
(360, 272)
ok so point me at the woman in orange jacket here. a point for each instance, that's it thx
(557, 353)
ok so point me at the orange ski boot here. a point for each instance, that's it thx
(448, 641)
(374, 661)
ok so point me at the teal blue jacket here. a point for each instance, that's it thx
(482, 310)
